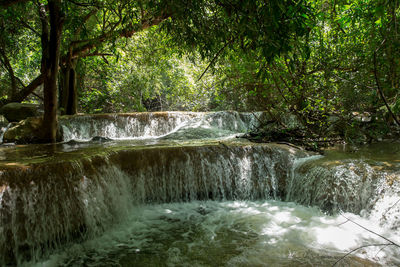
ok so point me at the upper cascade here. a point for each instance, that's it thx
(168, 125)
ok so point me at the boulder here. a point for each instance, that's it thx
(15, 112)
(28, 131)
(362, 117)
(100, 139)
(3, 121)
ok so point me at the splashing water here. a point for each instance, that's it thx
(229, 233)
(3, 129)
(170, 125)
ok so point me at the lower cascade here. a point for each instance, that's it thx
(180, 189)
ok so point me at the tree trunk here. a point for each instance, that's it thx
(68, 90)
(6, 62)
(73, 93)
(63, 90)
(50, 64)
(7, 3)
(27, 90)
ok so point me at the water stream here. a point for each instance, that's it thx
(179, 189)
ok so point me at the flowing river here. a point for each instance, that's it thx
(180, 189)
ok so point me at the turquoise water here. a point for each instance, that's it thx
(228, 233)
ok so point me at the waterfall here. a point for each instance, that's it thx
(68, 193)
(55, 204)
(348, 186)
(158, 124)
(209, 172)
(92, 193)
(365, 186)
(3, 129)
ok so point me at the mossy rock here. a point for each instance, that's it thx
(3, 121)
(28, 131)
(15, 112)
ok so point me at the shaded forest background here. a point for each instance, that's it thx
(330, 63)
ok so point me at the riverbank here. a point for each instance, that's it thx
(355, 132)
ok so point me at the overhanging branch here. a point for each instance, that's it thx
(8, 3)
(126, 32)
(27, 90)
(380, 91)
(215, 58)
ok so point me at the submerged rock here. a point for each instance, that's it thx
(28, 131)
(15, 112)
(100, 139)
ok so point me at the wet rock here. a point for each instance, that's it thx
(101, 139)
(28, 131)
(3, 121)
(291, 121)
(15, 112)
(73, 142)
(4, 124)
(362, 117)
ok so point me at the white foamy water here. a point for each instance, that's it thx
(3, 129)
(169, 125)
(230, 233)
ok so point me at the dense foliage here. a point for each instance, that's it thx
(332, 64)
(145, 74)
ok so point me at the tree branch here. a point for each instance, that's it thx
(8, 3)
(126, 32)
(27, 90)
(215, 58)
(354, 250)
(397, 202)
(375, 233)
(38, 96)
(97, 54)
(83, 4)
(84, 20)
(391, 243)
(26, 25)
(7, 64)
(379, 89)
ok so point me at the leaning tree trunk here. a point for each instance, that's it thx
(50, 60)
(6, 62)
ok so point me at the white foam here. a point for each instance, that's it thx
(231, 233)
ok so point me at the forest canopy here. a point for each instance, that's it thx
(324, 61)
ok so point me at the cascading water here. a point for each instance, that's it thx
(3, 129)
(339, 181)
(177, 125)
(176, 189)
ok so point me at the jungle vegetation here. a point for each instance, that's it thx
(330, 63)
